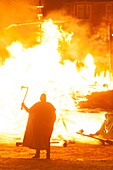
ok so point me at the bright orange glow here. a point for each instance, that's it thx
(39, 69)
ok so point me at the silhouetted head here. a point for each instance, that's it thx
(43, 97)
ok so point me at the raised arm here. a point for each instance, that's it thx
(25, 107)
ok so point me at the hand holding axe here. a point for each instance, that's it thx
(24, 95)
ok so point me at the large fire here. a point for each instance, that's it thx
(39, 69)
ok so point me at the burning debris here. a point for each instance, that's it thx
(102, 100)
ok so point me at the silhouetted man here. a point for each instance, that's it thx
(39, 126)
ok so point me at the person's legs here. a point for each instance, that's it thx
(48, 151)
(37, 155)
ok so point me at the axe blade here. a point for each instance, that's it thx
(23, 87)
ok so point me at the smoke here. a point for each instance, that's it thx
(87, 38)
(14, 12)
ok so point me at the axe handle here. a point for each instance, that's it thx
(24, 97)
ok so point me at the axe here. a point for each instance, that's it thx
(25, 87)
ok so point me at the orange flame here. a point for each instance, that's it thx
(39, 69)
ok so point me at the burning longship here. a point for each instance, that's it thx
(39, 68)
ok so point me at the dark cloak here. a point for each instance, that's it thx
(39, 126)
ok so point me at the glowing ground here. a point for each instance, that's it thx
(74, 156)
